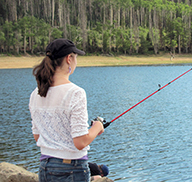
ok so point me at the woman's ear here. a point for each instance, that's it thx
(68, 59)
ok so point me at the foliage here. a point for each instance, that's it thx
(103, 26)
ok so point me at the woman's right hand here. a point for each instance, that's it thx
(99, 126)
(84, 140)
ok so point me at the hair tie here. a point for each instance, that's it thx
(49, 54)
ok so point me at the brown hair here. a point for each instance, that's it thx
(44, 73)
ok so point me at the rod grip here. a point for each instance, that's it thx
(106, 124)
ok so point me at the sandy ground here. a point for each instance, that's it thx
(9, 62)
(19, 62)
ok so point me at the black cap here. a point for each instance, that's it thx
(61, 48)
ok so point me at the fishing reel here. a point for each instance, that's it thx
(103, 121)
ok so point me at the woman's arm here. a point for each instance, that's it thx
(36, 137)
(82, 141)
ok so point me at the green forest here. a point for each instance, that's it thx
(112, 27)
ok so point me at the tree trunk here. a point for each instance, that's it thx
(53, 12)
(45, 10)
(24, 42)
(49, 11)
(131, 29)
(111, 23)
(104, 21)
(12, 10)
(155, 19)
(179, 43)
(189, 30)
(83, 21)
(60, 13)
(104, 16)
(90, 12)
(65, 20)
(123, 18)
(31, 4)
(118, 17)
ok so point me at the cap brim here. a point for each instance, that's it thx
(77, 51)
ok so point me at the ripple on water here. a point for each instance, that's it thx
(152, 142)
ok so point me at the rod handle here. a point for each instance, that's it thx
(106, 124)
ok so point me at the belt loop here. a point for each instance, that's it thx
(75, 162)
(46, 160)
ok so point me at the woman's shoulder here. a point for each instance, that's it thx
(67, 86)
(77, 88)
(69, 90)
(77, 91)
(34, 92)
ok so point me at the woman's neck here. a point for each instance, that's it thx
(60, 78)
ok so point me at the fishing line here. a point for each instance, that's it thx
(106, 124)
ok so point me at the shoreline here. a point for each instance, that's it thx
(12, 62)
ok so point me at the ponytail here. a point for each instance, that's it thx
(44, 73)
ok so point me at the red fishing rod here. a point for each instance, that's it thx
(106, 124)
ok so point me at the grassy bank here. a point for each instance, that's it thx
(8, 62)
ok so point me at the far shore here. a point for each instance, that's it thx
(12, 62)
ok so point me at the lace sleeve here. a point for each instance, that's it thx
(79, 115)
(34, 128)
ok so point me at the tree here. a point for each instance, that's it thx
(2, 40)
(8, 33)
(145, 44)
(17, 38)
(109, 25)
(24, 24)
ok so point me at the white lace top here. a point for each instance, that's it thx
(58, 118)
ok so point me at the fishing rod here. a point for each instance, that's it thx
(106, 124)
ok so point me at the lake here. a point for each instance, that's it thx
(152, 142)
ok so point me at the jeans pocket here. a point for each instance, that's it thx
(41, 175)
(59, 176)
(81, 176)
(87, 175)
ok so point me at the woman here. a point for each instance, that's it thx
(59, 116)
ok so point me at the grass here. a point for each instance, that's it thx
(8, 62)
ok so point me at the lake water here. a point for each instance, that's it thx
(152, 142)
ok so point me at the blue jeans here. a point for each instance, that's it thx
(56, 170)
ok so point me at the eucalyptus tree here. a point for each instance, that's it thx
(109, 25)
(107, 35)
(24, 24)
(32, 32)
(95, 38)
(2, 40)
(118, 35)
(17, 38)
(56, 33)
(178, 24)
(126, 41)
(8, 33)
(131, 5)
(185, 11)
(144, 43)
(136, 23)
(153, 32)
(43, 37)
(11, 6)
(83, 22)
